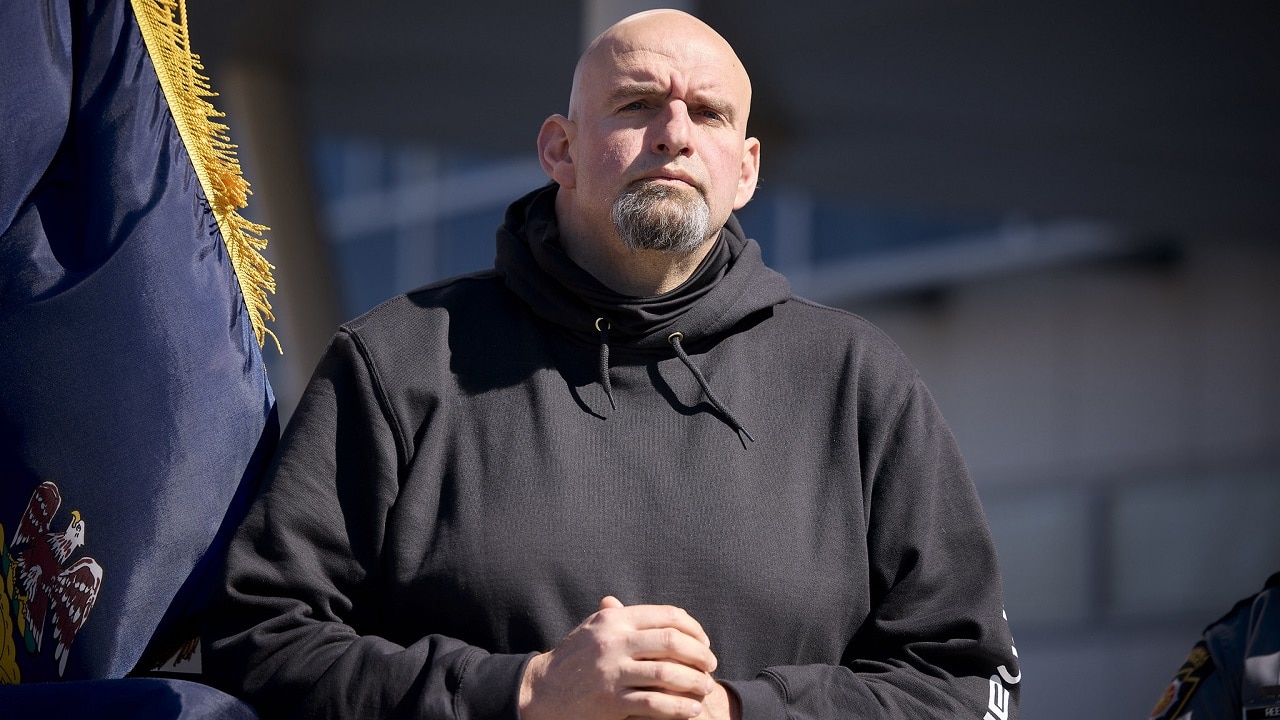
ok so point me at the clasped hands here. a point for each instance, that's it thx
(641, 661)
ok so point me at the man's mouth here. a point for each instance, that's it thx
(671, 176)
(675, 181)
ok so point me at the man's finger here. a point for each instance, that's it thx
(671, 645)
(666, 676)
(654, 704)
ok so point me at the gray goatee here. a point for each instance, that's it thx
(655, 216)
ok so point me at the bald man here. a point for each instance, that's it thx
(624, 474)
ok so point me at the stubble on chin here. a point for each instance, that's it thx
(657, 216)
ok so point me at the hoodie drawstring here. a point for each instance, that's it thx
(675, 338)
(602, 326)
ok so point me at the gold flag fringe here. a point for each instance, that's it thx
(164, 30)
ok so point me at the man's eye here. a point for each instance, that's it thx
(636, 105)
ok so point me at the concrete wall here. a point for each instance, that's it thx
(1122, 422)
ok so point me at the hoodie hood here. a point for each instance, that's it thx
(731, 284)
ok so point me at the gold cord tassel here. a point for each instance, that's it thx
(164, 30)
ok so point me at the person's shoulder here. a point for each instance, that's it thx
(425, 303)
(815, 314)
(1238, 620)
(842, 330)
(419, 322)
(1272, 583)
(1270, 589)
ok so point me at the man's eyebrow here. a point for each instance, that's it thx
(631, 90)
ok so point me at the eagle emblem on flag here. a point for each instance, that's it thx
(46, 589)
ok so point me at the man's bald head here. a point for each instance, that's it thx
(655, 29)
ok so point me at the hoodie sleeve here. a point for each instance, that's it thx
(283, 630)
(936, 644)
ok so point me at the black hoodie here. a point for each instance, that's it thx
(476, 463)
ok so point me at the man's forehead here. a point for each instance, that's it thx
(660, 48)
(650, 66)
(698, 69)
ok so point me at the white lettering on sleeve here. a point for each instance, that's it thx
(999, 702)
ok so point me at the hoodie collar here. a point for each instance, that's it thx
(730, 284)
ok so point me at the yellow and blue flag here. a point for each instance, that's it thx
(135, 412)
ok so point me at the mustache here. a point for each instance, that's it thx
(667, 172)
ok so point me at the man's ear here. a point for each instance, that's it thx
(749, 174)
(554, 141)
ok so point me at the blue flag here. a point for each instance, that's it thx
(135, 412)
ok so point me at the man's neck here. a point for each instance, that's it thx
(635, 273)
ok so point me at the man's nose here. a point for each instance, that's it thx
(673, 134)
